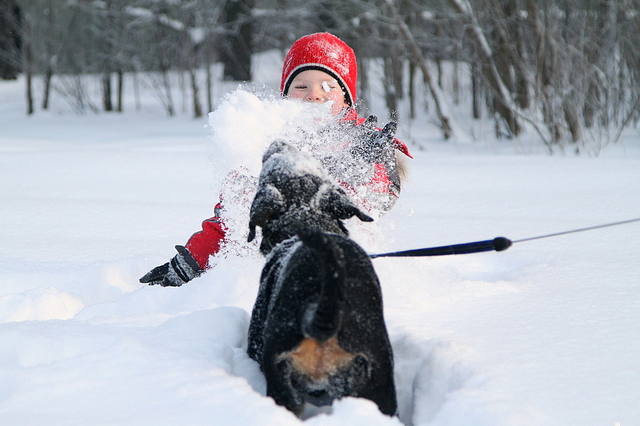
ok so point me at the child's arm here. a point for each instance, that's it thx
(207, 241)
(380, 148)
(193, 258)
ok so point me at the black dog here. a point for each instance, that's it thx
(317, 328)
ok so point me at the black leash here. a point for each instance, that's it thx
(497, 244)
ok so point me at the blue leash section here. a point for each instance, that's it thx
(496, 244)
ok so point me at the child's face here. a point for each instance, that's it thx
(317, 86)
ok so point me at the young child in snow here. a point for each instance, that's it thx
(318, 68)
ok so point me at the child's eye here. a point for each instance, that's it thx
(328, 87)
(300, 86)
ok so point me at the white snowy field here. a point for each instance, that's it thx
(546, 333)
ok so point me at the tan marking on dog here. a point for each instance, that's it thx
(318, 360)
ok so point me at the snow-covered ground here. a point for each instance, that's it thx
(546, 333)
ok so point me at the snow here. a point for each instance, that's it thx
(262, 119)
(164, 19)
(544, 333)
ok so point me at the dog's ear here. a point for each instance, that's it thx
(277, 146)
(335, 202)
(267, 204)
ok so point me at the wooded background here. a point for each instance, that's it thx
(561, 68)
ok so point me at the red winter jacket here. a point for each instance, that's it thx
(208, 241)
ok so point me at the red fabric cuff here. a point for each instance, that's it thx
(207, 242)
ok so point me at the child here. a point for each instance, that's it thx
(318, 68)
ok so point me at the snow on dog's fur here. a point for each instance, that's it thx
(296, 195)
(317, 328)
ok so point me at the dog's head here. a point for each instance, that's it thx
(296, 195)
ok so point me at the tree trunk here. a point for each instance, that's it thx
(28, 63)
(502, 41)
(120, 87)
(28, 76)
(520, 55)
(167, 93)
(590, 100)
(363, 78)
(10, 40)
(522, 91)
(209, 86)
(505, 106)
(184, 91)
(547, 64)
(107, 105)
(390, 95)
(47, 88)
(195, 93)
(136, 91)
(107, 56)
(475, 93)
(412, 90)
(49, 58)
(455, 83)
(572, 120)
(398, 74)
(438, 59)
(419, 59)
(237, 44)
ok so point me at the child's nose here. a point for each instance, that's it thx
(316, 94)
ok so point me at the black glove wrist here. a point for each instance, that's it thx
(180, 269)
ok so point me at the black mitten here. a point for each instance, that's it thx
(180, 269)
(375, 146)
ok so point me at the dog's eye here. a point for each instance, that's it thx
(362, 363)
(282, 366)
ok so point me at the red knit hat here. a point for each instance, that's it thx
(324, 52)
